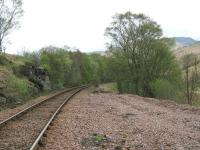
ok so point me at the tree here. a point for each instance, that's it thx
(190, 62)
(147, 55)
(10, 12)
(56, 61)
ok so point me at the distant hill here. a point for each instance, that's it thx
(184, 41)
(181, 51)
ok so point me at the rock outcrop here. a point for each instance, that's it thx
(37, 75)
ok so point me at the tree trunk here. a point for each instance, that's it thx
(136, 86)
(187, 87)
(1, 49)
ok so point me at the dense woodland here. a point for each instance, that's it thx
(71, 68)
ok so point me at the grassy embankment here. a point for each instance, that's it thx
(15, 89)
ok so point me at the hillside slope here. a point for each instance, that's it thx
(184, 41)
(18, 81)
(195, 49)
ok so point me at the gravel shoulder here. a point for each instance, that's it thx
(112, 121)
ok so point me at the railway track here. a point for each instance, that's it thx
(25, 129)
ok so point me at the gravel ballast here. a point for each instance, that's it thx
(9, 112)
(21, 132)
(123, 122)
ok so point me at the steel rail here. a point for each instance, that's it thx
(35, 105)
(38, 139)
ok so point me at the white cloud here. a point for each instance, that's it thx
(81, 23)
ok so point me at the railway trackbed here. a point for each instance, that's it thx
(25, 129)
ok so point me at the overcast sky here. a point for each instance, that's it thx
(81, 23)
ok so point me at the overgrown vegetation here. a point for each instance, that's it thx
(51, 68)
(19, 86)
(143, 63)
(13, 89)
(191, 75)
(70, 68)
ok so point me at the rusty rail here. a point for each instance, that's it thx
(33, 106)
(35, 144)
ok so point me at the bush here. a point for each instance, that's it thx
(126, 87)
(56, 61)
(19, 87)
(4, 60)
(166, 90)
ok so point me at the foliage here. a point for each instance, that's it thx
(13, 88)
(71, 68)
(171, 42)
(55, 61)
(33, 57)
(167, 90)
(108, 87)
(3, 60)
(140, 54)
(192, 76)
(99, 138)
(19, 86)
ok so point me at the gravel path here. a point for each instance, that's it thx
(122, 122)
(21, 132)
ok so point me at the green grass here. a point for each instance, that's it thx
(99, 138)
(111, 87)
(14, 86)
(17, 89)
(18, 85)
(197, 103)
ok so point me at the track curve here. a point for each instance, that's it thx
(25, 129)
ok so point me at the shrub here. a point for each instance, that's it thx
(4, 60)
(166, 90)
(20, 87)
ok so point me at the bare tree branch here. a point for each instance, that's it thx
(10, 12)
